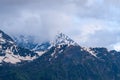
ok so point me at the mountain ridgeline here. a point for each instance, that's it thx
(21, 58)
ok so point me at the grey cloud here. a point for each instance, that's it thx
(38, 17)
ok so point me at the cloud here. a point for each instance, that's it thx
(89, 29)
(116, 46)
(88, 22)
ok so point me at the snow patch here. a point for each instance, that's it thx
(2, 41)
(11, 59)
(90, 51)
(40, 53)
(53, 54)
(27, 58)
(1, 58)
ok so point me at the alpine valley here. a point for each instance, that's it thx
(21, 58)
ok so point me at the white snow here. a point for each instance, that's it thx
(60, 51)
(40, 53)
(1, 58)
(2, 40)
(62, 39)
(7, 51)
(0, 47)
(90, 51)
(53, 53)
(27, 58)
(11, 42)
(9, 58)
(35, 48)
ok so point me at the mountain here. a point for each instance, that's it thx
(11, 53)
(29, 42)
(22, 48)
(59, 59)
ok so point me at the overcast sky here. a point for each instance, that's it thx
(92, 23)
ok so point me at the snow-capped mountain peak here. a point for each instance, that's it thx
(10, 52)
(26, 49)
(62, 39)
(59, 39)
(40, 48)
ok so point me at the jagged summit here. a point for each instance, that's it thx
(29, 42)
(62, 39)
(23, 48)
